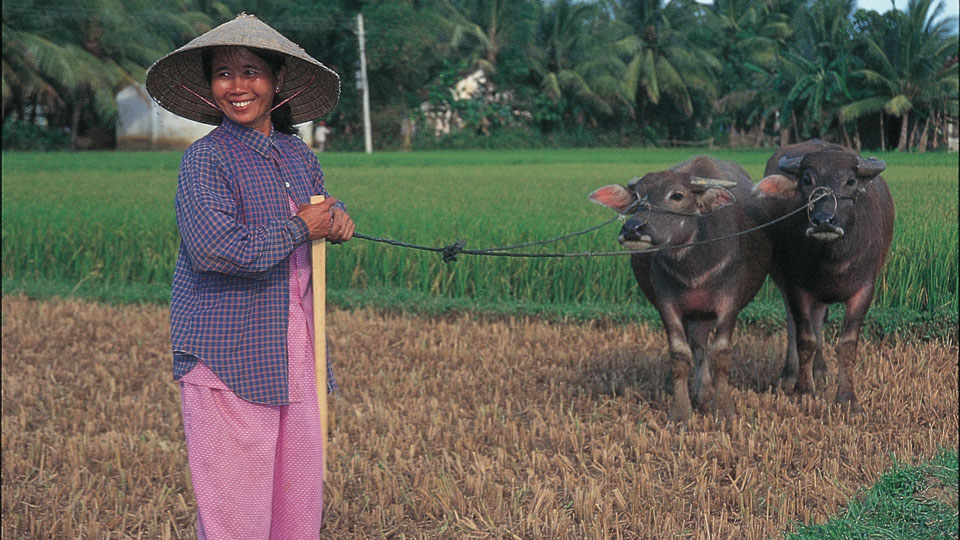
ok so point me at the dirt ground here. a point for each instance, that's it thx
(462, 427)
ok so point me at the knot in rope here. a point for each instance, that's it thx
(450, 252)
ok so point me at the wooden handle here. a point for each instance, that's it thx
(318, 253)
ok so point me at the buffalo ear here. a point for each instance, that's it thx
(777, 186)
(714, 199)
(614, 196)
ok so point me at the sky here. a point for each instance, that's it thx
(951, 7)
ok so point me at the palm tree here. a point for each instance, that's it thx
(908, 66)
(490, 24)
(72, 58)
(661, 60)
(573, 62)
(748, 36)
(818, 67)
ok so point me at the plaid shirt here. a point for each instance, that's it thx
(229, 304)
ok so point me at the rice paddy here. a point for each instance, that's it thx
(107, 220)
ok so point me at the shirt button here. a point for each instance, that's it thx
(286, 184)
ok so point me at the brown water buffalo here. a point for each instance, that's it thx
(697, 287)
(831, 253)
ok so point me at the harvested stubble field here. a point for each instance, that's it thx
(461, 427)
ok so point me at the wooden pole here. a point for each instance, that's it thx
(318, 265)
(367, 136)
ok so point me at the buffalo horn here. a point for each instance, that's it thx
(870, 167)
(711, 182)
(790, 165)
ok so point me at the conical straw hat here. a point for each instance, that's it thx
(177, 83)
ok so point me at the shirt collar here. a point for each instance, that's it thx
(257, 141)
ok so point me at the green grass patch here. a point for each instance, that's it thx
(909, 502)
(104, 221)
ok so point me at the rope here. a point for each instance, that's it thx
(451, 251)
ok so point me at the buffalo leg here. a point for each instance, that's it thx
(698, 335)
(819, 316)
(857, 307)
(788, 376)
(681, 358)
(807, 343)
(721, 356)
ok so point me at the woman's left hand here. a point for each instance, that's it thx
(342, 227)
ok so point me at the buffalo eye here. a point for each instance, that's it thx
(676, 196)
(850, 182)
(807, 178)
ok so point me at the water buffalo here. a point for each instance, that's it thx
(831, 253)
(696, 287)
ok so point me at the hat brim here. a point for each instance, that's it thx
(178, 84)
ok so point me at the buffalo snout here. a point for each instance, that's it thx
(635, 235)
(824, 223)
(824, 231)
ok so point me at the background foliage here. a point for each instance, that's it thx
(625, 72)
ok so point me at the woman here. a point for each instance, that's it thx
(241, 312)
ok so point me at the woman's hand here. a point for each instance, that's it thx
(342, 228)
(325, 221)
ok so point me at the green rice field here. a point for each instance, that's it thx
(104, 221)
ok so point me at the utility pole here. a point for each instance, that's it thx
(367, 136)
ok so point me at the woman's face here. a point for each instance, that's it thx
(243, 87)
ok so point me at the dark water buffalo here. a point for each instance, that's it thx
(698, 287)
(831, 253)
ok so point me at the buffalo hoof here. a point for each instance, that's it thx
(788, 376)
(820, 374)
(702, 398)
(680, 410)
(819, 367)
(849, 403)
(788, 384)
(805, 384)
(723, 405)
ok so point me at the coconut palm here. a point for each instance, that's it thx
(910, 66)
(817, 67)
(574, 62)
(72, 58)
(490, 24)
(661, 60)
(748, 37)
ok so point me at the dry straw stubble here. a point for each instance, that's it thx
(461, 427)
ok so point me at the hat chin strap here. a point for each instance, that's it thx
(297, 93)
(203, 99)
(275, 107)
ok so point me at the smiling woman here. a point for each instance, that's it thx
(244, 85)
(241, 308)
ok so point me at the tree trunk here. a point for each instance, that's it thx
(858, 143)
(922, 145)
(935, 143)
(33, 111)
(846, 136)
(905, 122)
(74, 125)
(883, 134)
(913, 136)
